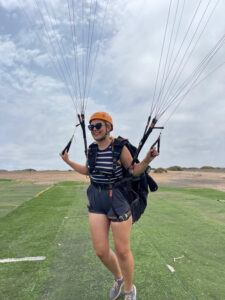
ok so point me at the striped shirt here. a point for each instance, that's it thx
(103, 172)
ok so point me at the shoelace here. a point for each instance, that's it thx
(116, 284)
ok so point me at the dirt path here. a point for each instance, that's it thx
(192, 178)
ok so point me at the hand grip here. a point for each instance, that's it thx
(67, 148)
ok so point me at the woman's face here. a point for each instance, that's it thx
(99, 129)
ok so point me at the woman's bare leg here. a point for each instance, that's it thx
(121, 234)
(99, 226)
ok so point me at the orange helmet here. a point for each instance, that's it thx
(102, 116)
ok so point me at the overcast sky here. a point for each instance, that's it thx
(38, 116)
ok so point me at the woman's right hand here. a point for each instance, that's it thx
(65, 156)
(77, 167)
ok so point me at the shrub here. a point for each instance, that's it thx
(175, 168)
(207, 168)
(160, 170)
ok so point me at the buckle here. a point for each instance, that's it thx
(124, 217)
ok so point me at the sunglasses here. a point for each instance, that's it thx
(97, 126)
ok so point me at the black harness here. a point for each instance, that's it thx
(134, 189)
(117, 147)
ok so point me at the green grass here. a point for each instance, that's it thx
(14, 193)
(189, 222)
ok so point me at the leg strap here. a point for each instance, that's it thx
(122, 218)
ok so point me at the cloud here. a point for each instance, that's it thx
(38, 117)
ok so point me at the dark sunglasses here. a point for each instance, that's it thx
(97, 126)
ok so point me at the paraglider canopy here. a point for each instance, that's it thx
(72, 33)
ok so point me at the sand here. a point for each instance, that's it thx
(214, 178)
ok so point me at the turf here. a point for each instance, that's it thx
(177, 222)
(189, 223)
(14, 193)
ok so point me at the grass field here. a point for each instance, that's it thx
(14, 193)
(54, 223)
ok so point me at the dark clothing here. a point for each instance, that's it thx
(108, 201)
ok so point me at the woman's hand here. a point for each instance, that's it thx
(65, 156)
(152, 153)
(139, 168)
(77, 167)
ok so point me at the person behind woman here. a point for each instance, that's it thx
(101, 194)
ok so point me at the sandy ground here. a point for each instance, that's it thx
(189, 178)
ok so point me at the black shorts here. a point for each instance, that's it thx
(111, 203)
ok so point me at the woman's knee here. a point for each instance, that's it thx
(102, 253)
(123, 253)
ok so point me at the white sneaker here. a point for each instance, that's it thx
(131, 295)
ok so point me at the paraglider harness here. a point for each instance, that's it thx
(134, 188)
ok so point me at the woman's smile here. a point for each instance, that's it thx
(96, 133)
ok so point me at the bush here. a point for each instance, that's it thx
(208, 168)
(160, 170)
(175, 168)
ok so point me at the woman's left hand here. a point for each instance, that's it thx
(152, 153)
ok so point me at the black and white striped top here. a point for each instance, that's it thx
(103, 172)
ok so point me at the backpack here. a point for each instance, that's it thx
(134, 188)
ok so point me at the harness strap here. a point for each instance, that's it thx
(122, 218)
(104, 186)
(117, 147)
(116, 152)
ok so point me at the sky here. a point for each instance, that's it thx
(127, 65)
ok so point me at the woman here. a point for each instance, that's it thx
(102, 193)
